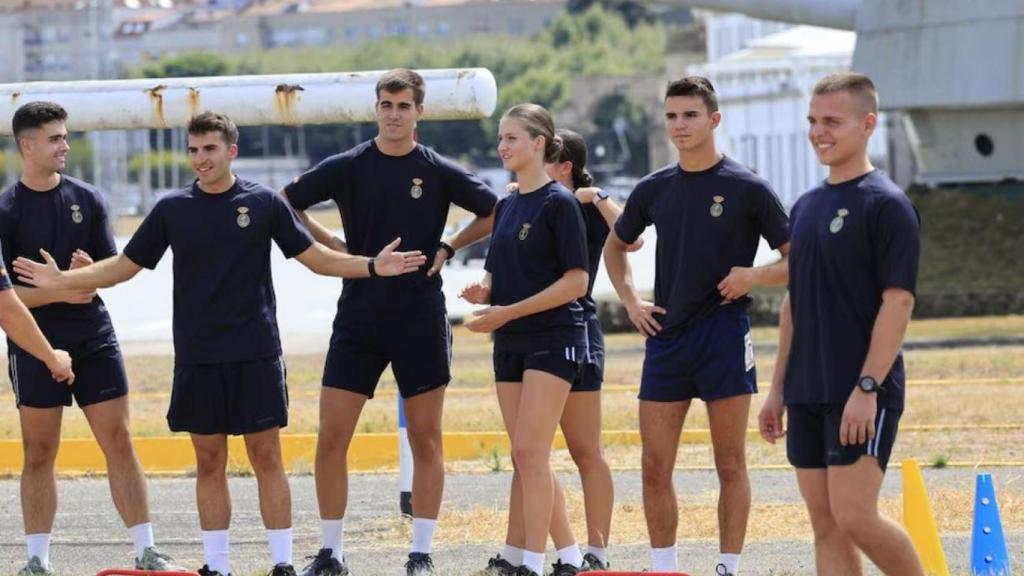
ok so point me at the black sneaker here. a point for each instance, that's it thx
(325, 564)
(721, 570)
(205, 571)
(419, 564)
(497, 566)
(561, 569)
(524, 571)
(282, 570)
(591, 562)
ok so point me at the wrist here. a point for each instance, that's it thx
(371, 267)
(446, 247)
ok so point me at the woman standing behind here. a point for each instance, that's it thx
(536, 271)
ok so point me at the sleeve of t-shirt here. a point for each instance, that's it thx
(286, 230)
(5, 280)
(150, 241)
(102, 236)
(772, 222)
(325, 181)
(570, 233)
(6, 239)
(897, 240)
(488, 262)
(466, 190)
(634, 218)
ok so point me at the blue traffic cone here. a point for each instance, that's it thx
(988, 544)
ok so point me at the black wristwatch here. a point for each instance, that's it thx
(447, 248)
(869, 385)
(371, 264)
(600, 195)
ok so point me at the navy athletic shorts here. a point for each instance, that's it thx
(812, 436)
(419, 351)
(711, 359)
(99, 375)
(230, 398)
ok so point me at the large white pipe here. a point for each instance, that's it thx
(840, 14)
(290, 99)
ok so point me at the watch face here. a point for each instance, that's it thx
(868, 384)
(602, 194)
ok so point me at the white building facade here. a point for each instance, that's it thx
(764, 91)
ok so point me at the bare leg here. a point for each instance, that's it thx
(109, 423)
(661, 424)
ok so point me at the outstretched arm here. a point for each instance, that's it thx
(102, 274)
(387, 263)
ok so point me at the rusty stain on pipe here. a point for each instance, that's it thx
(193, 102)
(156, 96)
(286, 98)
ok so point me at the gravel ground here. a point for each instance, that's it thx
(89, 536)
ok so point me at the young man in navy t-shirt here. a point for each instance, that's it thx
(229, 377)
(51, 211)
(383, 188)
(839, 373)
(709, 212)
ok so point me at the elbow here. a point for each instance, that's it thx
(899, 298)
(580, 280)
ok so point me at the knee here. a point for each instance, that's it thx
(118, 443)
(588, 459)
(823, 523)
(656, 469)
(853, 519)
(265, 456)
(732, 468)
(40, 454)
(211, 462)
(528, 459)
(425, 442)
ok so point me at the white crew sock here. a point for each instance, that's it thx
(217, 547)
(571, 555)
(280, 542)
(731, 563)
(142, 536)
(423, 535)
(332, 536)
(513, 555)
(534, 561)
(599, 553)
(664, 559)
(38, 545)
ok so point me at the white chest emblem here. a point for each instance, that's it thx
(417, 188)
(525, 231)
(76, 214)
(837, 223)
(717, 208)
(243, 219)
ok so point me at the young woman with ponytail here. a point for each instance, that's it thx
(536, 273)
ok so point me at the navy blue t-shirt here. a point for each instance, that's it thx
(224, 304)
(380, 198)
(5, 280)
(707, 222)
(851, 241)
(70, 217)
(537, 238)
(597, 234)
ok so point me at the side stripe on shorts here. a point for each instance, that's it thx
(13, 359)
(873, 445)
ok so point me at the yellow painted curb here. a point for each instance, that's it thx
(367, 452)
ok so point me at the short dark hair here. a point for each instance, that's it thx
(214, 122)
(857, 85)
(698, 86)
(398, 79)
(35, 115)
